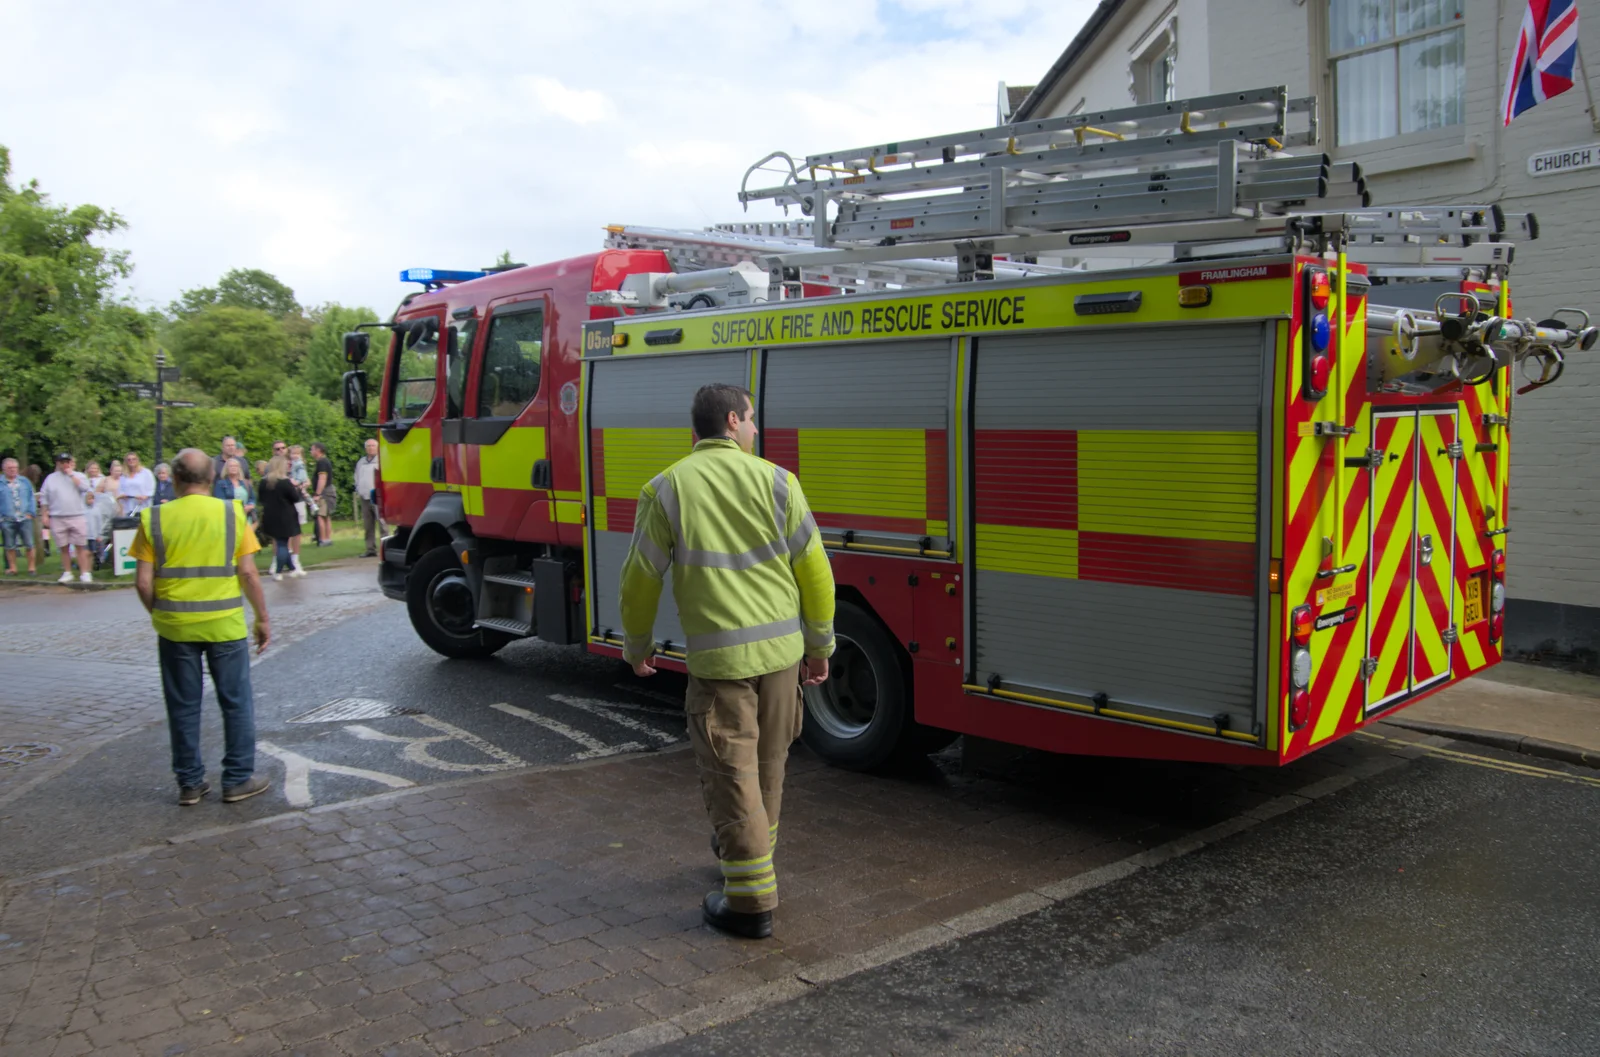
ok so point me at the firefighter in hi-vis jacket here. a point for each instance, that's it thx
(755, 597)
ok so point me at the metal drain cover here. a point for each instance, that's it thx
(352, 708)
(28, 752)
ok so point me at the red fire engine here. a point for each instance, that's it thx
(1226, 504)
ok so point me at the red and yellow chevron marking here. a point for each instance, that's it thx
(1324, 499)
(1378, 529)
(1393, 495)
(1434, 589)
(872, 480)
(1158, 508)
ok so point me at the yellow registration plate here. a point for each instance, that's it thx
(1472, 609)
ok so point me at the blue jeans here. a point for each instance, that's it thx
(285, 559)
(183, 684)
(18, 535)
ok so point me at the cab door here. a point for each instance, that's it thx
(506, 424)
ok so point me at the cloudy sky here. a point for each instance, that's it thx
(334, 143)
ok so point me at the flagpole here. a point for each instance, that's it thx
(1594, 119)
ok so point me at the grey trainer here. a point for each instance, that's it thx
(245, 790)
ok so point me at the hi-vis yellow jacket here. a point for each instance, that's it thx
(752, 581)
(193, 543)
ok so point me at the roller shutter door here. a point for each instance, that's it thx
(638, 426)
(866, 429)
(1117, 517)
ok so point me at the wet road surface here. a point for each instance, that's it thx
(1449, 906)
(402, 716)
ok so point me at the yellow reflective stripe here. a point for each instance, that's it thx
(472, 499)
(1176, 484)
(406, 461)
(734, 867)
(508, 462)
(565, 513)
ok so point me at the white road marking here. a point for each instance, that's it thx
(592, 747)
(417, 749)
(606, 711)
(297, 774)
(676, 703)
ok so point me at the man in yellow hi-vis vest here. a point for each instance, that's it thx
(755, 597)
(196, 567)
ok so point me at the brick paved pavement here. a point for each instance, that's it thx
(536, 912)
(80, 666)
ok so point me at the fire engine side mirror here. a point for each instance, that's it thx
(355, 395)
(357, 344)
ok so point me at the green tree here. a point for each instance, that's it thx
(505, 262)
(238, 355)
(322, 369)
(66, 339)
(240, 288)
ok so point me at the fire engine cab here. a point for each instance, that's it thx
(1228, 482)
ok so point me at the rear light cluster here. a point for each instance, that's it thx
(1497, 595)
(1301, 623)
(1317, 362)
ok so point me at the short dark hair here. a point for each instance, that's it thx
(317, 445)
(712, 404)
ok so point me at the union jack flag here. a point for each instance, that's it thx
(1547, 49)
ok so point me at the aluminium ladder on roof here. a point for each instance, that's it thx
(1210, 157)
(726, 245)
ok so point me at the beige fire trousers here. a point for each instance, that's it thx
(741, 730)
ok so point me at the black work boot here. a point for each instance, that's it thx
(715, 910)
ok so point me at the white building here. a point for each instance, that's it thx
(1411, 90)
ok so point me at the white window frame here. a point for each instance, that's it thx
(1155, 52)
(1433, 137)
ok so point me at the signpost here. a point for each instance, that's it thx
(156, 391)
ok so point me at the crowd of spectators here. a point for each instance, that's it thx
(74, 512)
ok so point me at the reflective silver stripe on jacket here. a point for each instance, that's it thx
(659, 560)
(165, 572)
(818, 634)
(668, 498)
(716, 640)
(780, 501)
(211, 605)
(802, 536)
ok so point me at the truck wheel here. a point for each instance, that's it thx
(442, 607)
(861, 718)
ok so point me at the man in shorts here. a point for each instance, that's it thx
(326, 495)
(65, 497)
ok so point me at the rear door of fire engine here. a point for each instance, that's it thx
(1411, 568)
(506, 418)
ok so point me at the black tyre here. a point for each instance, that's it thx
(861, 718)
(442, 607)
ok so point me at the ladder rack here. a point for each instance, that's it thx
(727, 245)
(1210, 157)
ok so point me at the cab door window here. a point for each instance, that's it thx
(512, 362)
(415, 370)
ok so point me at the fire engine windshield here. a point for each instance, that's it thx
(415, 374)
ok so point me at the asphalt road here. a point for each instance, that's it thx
(1447, 907)
(557, 705)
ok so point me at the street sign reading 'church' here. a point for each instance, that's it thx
(1566, 159)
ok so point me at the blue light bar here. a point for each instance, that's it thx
(430, 276)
